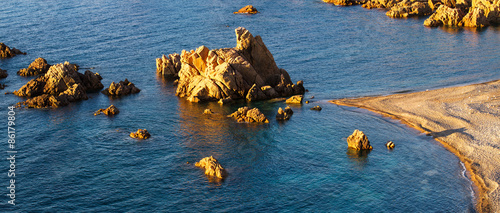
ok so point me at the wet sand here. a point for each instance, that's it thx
(465, 119)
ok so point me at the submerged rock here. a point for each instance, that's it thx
(121, 88)
(6, 52)
(170, 66)
(247, 71)
(390, 145)
(111, 110)
(37, 67)
(140, 134)
(212, 167)
(244, 114)
(318, 108)
(61, 85)
(3, 73)
(284, 114)
(296, 99)
(358, 141)
(249, 9)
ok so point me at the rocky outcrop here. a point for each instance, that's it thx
(249, 9)
(317, 108)
(296, 99)
(212, 167)
(446, 16)
(345, 2)
(37, 67)
(110, 111)
(140, 134)
(284, 114)
(61, 85)
(3, 73)
(6, 52)
(390, 145)
(380, 4)
(246, 71)
(121, 88)
(169, 67)
(358, 141)
(408, 8)
(245, 114)
(475, 18)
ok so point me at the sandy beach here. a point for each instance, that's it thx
(465, 119)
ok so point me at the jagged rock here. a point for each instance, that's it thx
(475, 18)
(37, 67)
(408, 8)
(318, 108)
(212, 167)
(121, 88)
(296, 99)
(61, 85)
(390, 145)
(3, 73)
(445, 15)
(140, 134)
(380, 4)
(208, 112)
(284, 114)
(246, 71)
(170, 66)
(434, 4)
(6, 52)
(345, 2)
(111, 110)
(358, 141)
(244, 114)
(249, 9)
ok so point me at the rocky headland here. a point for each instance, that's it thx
(7, 52)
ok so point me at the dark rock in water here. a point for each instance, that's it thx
(244, 114)
(6, 52)
(296, 99)
(2, 86)
(249, 9)
(3, 73)
(37, 67)
(61, 85)
(140, 134)
(170, 66)
(212, 167)
(284, 114)
(390, 145)
(121, 88)
(318, 108)
(111, 110)
(358, 141)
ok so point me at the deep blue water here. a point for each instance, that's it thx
(70, 160)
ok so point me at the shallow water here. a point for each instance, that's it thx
(70, 160)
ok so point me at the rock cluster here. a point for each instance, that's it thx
(61, 85)
(140, 134)
(296, 99)
(121, 88)
(345, 2)
(3, 73)
(249, 9)
(111, 110)
(284, 114)
(244, 114)
(37, 67)
(6, 52)
(168, 67)
(246, 71)
(212, 167)
(358, 141)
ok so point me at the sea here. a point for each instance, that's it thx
(68, 160)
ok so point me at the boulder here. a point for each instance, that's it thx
(110, 111)
(37, 67)
(318, 108)
(6, 52)
(296, 99)
(284, 114)
(121, 88)
(61, 85)
(247, 71)
(249, 9)
(445, 15)
(358, 141)
(208, 112)
(345, 2)
(408, 8)
(3, 73)
(244, 114)
(169, 67)
(140, 134)
(212, 167)
(390, 145)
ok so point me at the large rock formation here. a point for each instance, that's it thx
(121, 88)
(6, 52)
(245, 114)
(61, 85)
(3, 73)
(246, 71)
(249, 9)
(168, 67)
(467, 13)
(212, 167)
(358, 141)
(408, 8)
(445, 15)
(345, 2)
(140, 134)
(37, 67)
(110, 111)
(284, 114)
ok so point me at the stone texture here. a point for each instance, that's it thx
(110, 111)
(247, 71)
(140, 134)
(249, 9)
(408, 8)
(284, 114)
(212, 167)
(3, 73)
(7, 52)
(445, 15)
(61, 85)
(358, 141)
(37, 67)
(296, 99)
(120, 89)
(169, 67)
(245, 114)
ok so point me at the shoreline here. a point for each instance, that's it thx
(459, 123)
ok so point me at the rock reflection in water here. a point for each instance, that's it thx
(359, 157)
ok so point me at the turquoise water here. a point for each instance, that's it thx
(70, 160)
